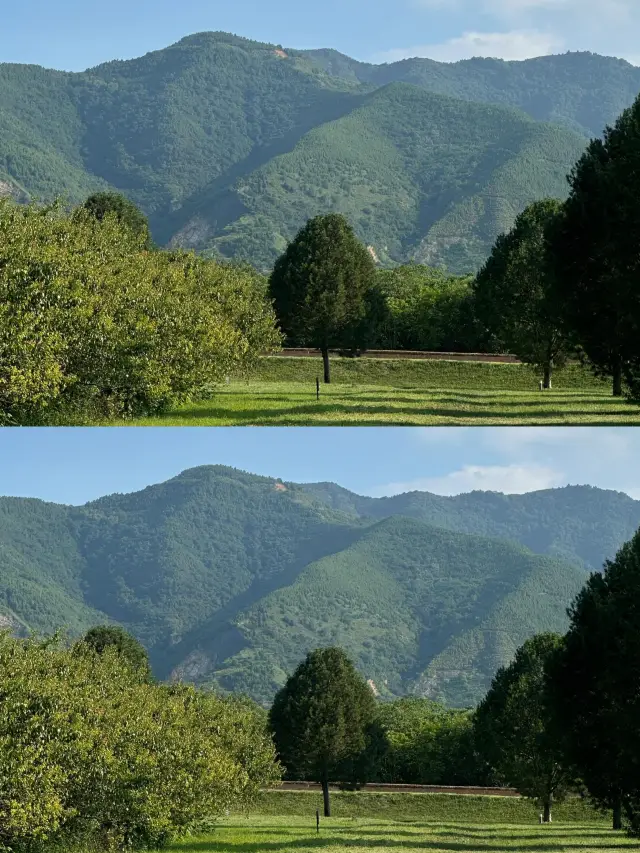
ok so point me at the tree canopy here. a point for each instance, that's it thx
(94, 756)
(93, 326)
(320, 284)
(125, 211)
(102, 637)
(595, 679)
(515, 293)
(594, 247)
(514, 728)
(321, 719)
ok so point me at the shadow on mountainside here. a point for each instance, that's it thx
(219, 637)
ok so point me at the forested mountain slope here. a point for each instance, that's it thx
(229, 578)
(576, 522)
(230, 144)
(582, 91)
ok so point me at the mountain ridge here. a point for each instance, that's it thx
(229, 577)
(229, 145)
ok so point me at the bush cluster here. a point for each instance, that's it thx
(94, 754)
(94, 323)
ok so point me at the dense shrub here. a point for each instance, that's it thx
(93, 754)
(92, 324)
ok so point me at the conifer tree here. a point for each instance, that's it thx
(320, 287)
(321, 719)
(595, 249)
(595, 679)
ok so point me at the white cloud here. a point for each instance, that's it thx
(514, 460)
(509, 479)
(514, 45)
(520, 29)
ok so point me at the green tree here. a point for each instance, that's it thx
(594, 246)
(126, 212)
(595, 681)
(319, 286)
(91, 325)
(427, 744)
(515, 729)
(102, 637)
(93, 756)
(516, 296)
(427, 309)
(321, 719)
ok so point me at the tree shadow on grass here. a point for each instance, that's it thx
(463, 845)
(316, 411)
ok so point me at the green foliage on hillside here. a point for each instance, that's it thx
(415, 606)
(582, 91)
(418, 176)
(575, 522)
(229, 578)
(229, 145)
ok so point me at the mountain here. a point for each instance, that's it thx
(575, 522)
(229, 578)
(580, 90)
(229, 145)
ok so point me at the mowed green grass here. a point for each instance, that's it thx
(403, 392)
(259, 834)
(284, 822)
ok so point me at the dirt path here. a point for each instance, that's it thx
(414, 354)
(380, 787)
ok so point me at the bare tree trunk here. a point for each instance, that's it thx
(546, 381)
(325, 796)
(327, 368)
(617, 378)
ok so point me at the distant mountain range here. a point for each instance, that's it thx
(229, 145)
(230, 578)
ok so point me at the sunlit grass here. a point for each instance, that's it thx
(259, 834)
(294, 403)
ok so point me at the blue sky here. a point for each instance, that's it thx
(73, 34)
(76, 465)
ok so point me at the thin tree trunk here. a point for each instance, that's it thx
(617, 814)
(546, 813)
(325, 797)
(617, 378)
(546, 381)
(327, 368)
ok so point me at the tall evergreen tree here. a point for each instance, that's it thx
(320, 287)
(595, 680)
(515, 730)
(322, 718)
(515, 293)
(595, 249)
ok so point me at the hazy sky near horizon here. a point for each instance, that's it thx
(75, 465)
(72, 35)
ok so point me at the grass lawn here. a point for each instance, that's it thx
(380, 392)
(259, 834)
(284, 822)
(292, 404)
